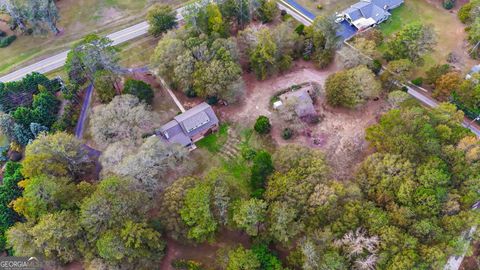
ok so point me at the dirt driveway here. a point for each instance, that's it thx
(258, 93)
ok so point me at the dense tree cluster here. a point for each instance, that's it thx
(411, 42)
(147, 164)
(270, 50)
(469, 14)
(28, 107)
(9, 191)
(161, 18)
(199, 65)
(69, 219)
(90, 55)
(351, 87)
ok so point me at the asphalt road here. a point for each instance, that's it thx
(58, 60)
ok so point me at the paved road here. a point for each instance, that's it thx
(58, 60)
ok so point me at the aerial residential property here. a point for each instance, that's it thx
(240, 134)
(190, 126)
(367, 13)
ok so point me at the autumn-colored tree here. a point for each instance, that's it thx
(446, 84)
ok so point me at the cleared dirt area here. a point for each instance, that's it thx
(341, 133)
(204, 253)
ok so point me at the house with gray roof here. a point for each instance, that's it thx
(367, 13)
(190, 126)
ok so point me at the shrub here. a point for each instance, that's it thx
(320, 7)
(262, 125)
(140, 89)
(248, 153)
(376, 66)
(417, 81)
(2, 33)
(6, 41)
(300, 29)
(464, 12)
(287, 133)
(448, 4)
(187, 265)
(404, 89)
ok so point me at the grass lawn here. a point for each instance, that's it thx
(78, 18)
(449, 30)
(137, 53)
(214, 142)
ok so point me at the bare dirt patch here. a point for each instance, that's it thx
(203, 253)
(341, 133)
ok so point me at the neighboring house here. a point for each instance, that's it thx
(475, 69)
(190, 126)
(367, 13)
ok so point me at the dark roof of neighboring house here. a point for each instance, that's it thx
(186, 125)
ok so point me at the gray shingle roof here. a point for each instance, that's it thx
(375, 9)
(186, 125)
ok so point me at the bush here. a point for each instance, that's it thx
(248, 153)
(417, 81)
(187, 265)
(464, 12)
(262, 125)
(448, 4)
(2, 34)
(190, 92)
(319, 7)
(287, 133)
(300, 29)
(6, 41)
(376, 66)
(140, 89)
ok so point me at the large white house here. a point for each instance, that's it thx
(367, 13)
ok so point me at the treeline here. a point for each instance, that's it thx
(206, 57)
(469, 14)
(405, 208)
(30, 106)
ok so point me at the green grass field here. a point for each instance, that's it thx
(449, 30)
